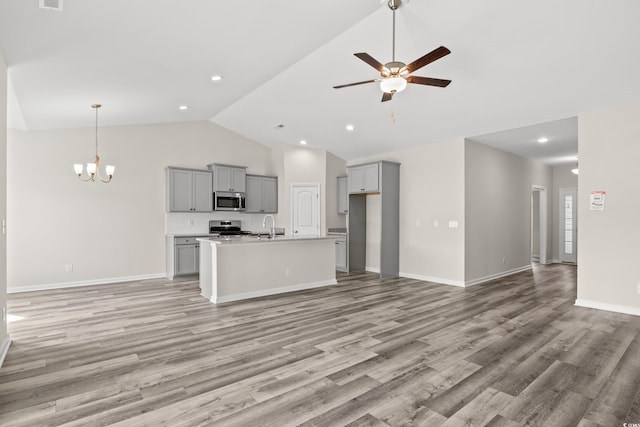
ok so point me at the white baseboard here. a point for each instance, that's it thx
(467, 283)
(372, 269)
(497, 275)
(274, 291)
(439, 280)
(4, 349)
(624, 309)
(61, 285)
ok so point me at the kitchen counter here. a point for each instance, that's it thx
(259, 239)
(241, 267)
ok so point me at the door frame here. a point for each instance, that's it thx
(542, 215)
(291, 198)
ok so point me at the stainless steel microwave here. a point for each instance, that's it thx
(226, 201)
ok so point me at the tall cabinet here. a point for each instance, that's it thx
(381, 178)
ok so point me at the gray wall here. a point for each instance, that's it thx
(107, 231)
(431, 190)
(609, 240)
(498, 210)
(4, 337)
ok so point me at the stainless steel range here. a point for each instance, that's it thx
(227, 227)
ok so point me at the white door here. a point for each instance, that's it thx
(568, 225)
(306, 209)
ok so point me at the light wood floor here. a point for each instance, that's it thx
(366, 352)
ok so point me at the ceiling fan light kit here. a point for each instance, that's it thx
(395, 75)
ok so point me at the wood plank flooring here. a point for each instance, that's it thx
(365, 352)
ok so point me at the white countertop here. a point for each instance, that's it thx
(233, 240)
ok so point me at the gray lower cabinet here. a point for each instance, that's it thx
(343, 195)
(341, 254)
(262, 194)
(189, 190)
(183, 256)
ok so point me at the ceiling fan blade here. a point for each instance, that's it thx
(428, 81)
(426, 59)
(386, 96)
(371, 61)
(354, 84)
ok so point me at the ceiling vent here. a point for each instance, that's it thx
(51, 4)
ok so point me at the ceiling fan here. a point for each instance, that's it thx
(395, 75)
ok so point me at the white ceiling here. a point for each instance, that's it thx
(513, 64)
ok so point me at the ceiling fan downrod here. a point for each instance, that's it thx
(393, 5)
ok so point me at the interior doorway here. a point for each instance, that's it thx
(305, 209)
(539, 224)
(568, 223)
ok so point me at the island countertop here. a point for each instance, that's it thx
(241, 240)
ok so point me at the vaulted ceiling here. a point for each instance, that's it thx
(513, 64)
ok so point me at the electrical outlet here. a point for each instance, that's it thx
(453, 224)
(287, 271)
(436, 223)
(639, 288)
(68, 268)
(504, 259)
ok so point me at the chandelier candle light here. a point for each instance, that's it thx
(93, 169)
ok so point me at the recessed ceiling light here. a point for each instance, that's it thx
(216, 78)
(183, 107)
(303, 142)
(543, 140)
(350, 127)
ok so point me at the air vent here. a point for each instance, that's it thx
(51, 4)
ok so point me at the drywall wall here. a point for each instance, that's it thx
(105, 231)
(298, 165)
(335, 167)
(4, 336)
(562, 178)
(431, 192)
(498, 210)
(608, 250)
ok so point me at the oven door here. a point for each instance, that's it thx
(229, 201)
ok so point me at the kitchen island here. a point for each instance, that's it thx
(236, 268)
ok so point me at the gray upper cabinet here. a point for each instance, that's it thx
(228, 178)
(363, 179)
(343, 195)
(262, 194)
(189, 190)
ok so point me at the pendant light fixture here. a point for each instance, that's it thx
(93, 169)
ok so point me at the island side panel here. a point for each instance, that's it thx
(252, 270)
(207, 263)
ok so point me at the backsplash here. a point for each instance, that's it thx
(198, 223)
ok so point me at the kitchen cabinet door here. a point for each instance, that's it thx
(341, 255)
(270, 195)
(262, 194)
(187, 259)
(179, 182)
(343, 195)
(202, 191)
(238, 180)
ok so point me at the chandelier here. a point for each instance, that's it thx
(93, 169)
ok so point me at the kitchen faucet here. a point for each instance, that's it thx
(272, 231)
